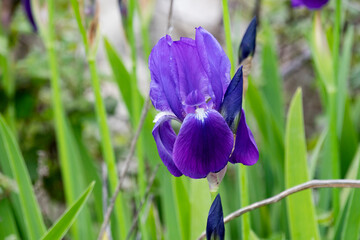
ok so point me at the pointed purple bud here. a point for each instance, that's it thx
(248, 43)
(27, 8)
(215, 228)
(231, 106)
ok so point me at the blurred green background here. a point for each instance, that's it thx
(58, 84)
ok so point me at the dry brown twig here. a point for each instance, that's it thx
(336, 183)
(124, 169)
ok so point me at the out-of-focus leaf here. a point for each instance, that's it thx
(59, 229)
(10, 153)
(7, 221)
(182, 202)
(352, 219)
(315, 154)
(271, 80)
(200, 203)
(343, 76)
(348, 140)
(345, 193)
(121, 75)
(301, 210)
(322, 55)
(169, 207)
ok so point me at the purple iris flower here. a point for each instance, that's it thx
(190, 83)
(310, 4)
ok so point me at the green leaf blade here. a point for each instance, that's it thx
(301, 211)
(10, 152)
(59, 229)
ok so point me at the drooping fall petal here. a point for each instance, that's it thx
(165, 138)
(203, 145)
(246, 151)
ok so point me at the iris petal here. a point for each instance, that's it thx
(315, 4)
(203, 145)
(311, 4)
(164, 77)
(245, 151)
(191, 74)
(232, 104)
(215, 228)
(165, 137)
(215, 63)
(27, 7)
(248, 42)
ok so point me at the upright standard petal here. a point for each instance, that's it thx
(246, 151)
(203, 145)
(215, 228)
(215, 63)
(164, 93)
(191, 74)
(248, 42)
(165, 137)
(232, 104)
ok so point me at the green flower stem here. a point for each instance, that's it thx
(227, 28)
(244, 196)
(213, 194)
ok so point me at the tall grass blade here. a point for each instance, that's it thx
(183, 207)
(343, 76)
(10, 152)
(352, 219)
(200, 203)
(272, 82)
(301, 210)
(62, 225)
(8, 226)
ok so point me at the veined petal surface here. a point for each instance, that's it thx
(215, 63)
(164, 92)
(203, 145)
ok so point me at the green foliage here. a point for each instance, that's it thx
(62, 225)
(14, 166)
(66, 134)
(300, 206)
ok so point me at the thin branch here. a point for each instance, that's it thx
(148, 188)
(125, 168)
(337, 183)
